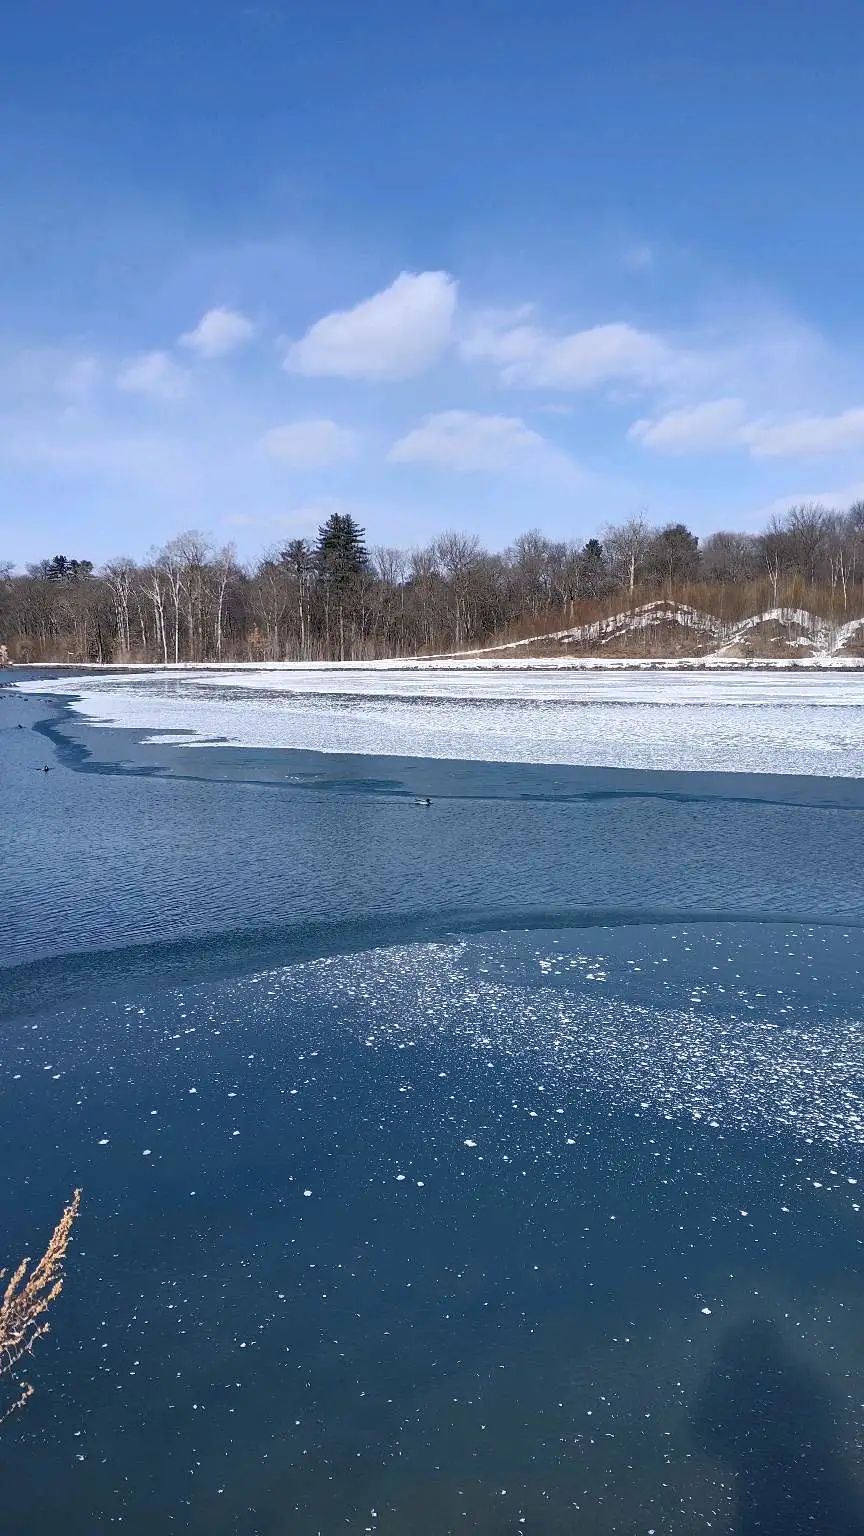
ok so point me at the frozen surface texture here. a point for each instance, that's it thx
(739, 721)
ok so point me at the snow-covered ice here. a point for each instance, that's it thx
(768, 722)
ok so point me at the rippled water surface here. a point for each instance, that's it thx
(491, 1166)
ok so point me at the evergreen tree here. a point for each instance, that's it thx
(63, 570)
(297, 556)
(591, 571)
(673, 554)
(340, 560)
(340, 551)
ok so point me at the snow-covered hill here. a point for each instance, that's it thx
(769, 635)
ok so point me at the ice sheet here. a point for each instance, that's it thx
(768, 722)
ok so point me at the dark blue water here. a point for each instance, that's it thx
(492, 1167)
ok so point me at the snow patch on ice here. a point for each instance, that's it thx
(759, 722)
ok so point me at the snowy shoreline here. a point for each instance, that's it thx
(819, 644)
(475, 663)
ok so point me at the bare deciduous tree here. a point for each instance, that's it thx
(627, 546)
(192, 601)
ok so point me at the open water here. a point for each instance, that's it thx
(492, 1166)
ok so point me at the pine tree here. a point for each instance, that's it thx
(340, 559)
(340, 552)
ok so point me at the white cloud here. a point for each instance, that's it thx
(468, 441)
(604, 354)
(719, 424)
(396, 334)
(218, 332)
(310, 444)
(300, 521)
(833, 496)
(803, 436)
(693, 429)
(154, 374)
(745, 351)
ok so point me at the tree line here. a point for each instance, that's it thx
(334, 598)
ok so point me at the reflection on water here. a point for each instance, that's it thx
(554, 1230)
(772, 1420)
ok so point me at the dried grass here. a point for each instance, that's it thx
(28, 1295)
(729, 602)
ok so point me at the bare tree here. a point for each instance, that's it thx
(457, 553)
(730, 557)
(153, 587)
(192, 601)
(225, 565)
(170, 561)
(673, 555)
(627, 546)
(120, 574)
(806, 529)
(271, 586)
(391, 568)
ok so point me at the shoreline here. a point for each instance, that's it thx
(466, 664)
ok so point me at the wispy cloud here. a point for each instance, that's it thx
(310, 444)
(837, 495)
(469, 441)
(806, 436)
(301, 520)
(711, 425)
(752, 353)
(46, 373)
(395, 334)
(100, 453)
(613, 353)
(219, 332)
(154, 374)
(638, 257)
(716, 425)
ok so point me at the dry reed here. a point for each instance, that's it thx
(28, 1295)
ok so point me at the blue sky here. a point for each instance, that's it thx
(491, 265)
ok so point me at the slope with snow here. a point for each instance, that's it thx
(796, 629)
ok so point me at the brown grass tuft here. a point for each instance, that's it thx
(28, 1295)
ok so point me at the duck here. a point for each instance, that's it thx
(422, 800)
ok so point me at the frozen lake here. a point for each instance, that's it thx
(751, 722)
(488, 1166)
